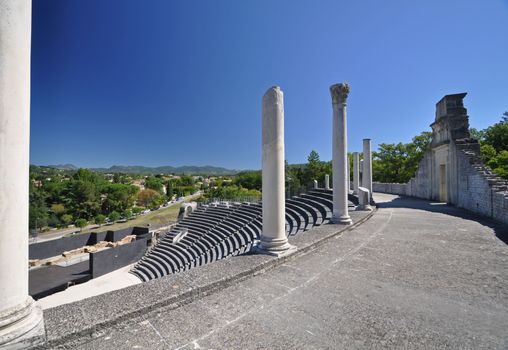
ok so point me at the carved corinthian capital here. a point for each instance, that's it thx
(339, 93)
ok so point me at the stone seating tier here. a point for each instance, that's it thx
(219, 232)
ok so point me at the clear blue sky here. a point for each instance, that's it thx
(162, 82)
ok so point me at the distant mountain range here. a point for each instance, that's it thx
(138, 169)
(62, 166)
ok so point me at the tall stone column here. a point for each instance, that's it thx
(327, 182)
(356, 172)
(367, 166)
(340, 213)
(21, 322)
(273, 236)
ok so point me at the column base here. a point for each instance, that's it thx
(22, 326)
(364, 207)
(275, 247)
(341, 220)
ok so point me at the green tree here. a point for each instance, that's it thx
(58, 209)
(169, 190)
(118, 197)
(397, 163)
(100, 219)
(499, 164)
(248, 179)
(66, 219)
(487, 152)
(477, 134)
(80, 223)
(114, 216)
(137, 210)
(82, 194)
(497, 135)
(127, 214)
(38, 211)
(314, 169)
(494, 145)
(148, 197)
(187, 180)
(154, 183)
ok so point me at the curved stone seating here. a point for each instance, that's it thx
(314, 213)
(220, 231)
(297, 221)
(353, 199)
(321, 209)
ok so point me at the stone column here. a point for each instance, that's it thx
(360, 181)
(273, 236)
(315, 184)
(348, 169)
(21, 322)
(356, 172)
(367, 166)
(340, 213)
(327, 182)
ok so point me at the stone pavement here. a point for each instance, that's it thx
(416, 275)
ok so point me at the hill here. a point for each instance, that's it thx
(188, 170)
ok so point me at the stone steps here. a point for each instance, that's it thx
(217, 232)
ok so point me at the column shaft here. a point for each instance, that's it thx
(367, 166)
(327, 182)
(356, 172)
(20, 320)
(348, 170)
(340, 213)
(273, 237)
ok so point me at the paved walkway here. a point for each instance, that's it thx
(416, 275)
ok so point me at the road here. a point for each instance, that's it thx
(417, 275)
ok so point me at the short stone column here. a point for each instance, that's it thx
(273, 237)
(315, 184)
(340, 213)
(367, 166)
(21, 323)
(356, 172)
(327, 182)
(364, 199)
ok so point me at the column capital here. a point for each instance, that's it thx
(339, 93)
(273, 93)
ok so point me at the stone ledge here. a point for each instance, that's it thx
(76, 323)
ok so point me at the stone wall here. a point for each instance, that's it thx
(108, 260)
(47, 249)
(477, 188)
(452, 170)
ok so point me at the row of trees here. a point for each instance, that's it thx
(397, 163)
(59, 198)
(244, 186)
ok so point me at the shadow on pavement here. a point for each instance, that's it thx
(500, 230)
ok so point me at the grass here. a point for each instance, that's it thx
(154, 218)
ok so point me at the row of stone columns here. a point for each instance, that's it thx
(273, 238)
(357, 165)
